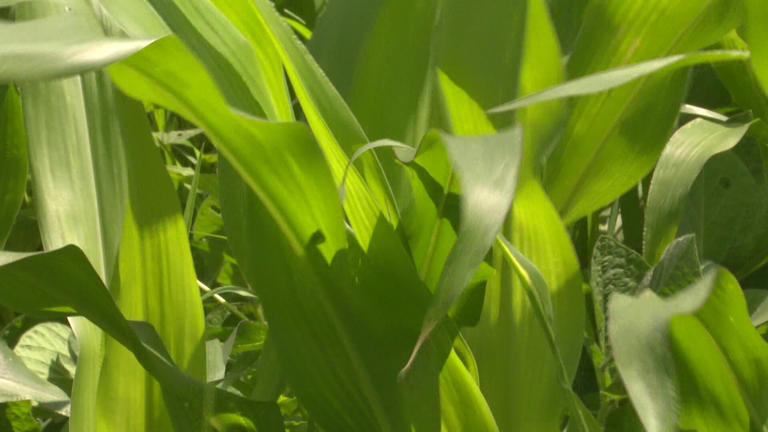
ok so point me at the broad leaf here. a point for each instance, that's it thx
(679, 165)
(615, 268)
(692, 359)
(47, 349)
(17, 382)
(714, 211)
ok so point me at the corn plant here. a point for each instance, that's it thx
(383, 215)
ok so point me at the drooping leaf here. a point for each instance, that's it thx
(59, 45)
(162, 73)
(70, 285)
(13, 159)
(679, 165)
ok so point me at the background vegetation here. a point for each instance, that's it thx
(383, 215)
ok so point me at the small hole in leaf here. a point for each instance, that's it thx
(724, 182)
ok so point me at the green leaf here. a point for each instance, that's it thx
(538, 230)
(47, 350)
(20, 417)
(714, 211)
(377, 55)
(63, 280)
(352, 343)
(537, 291)
(238, 69)
(17, 382)
(59, 45)
(481, 40)
(163, 72)
(613, 139)
(336, 130)
(680, 163)
(609, 79)
(134, 18)
(156, 283)
(756, 35)
(740, 79)
(72, 142)
(693, 358)
(678, 268)
(615, 268)
(486, 168)
(541, 68)
(13, 159)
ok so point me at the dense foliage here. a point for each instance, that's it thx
(383, 215)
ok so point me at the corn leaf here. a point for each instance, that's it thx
(73, 208)
(537, 230)
(246, 142)
(387, 44)
(136, 19)
(335, 128)
(757, 37)
(70, 285)
(352, 344)
(679, 165)
(740, 79)
(609, 79)
(613, 139)
(13, 158)
(59, 45)
(481, 48)
(149, 286)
